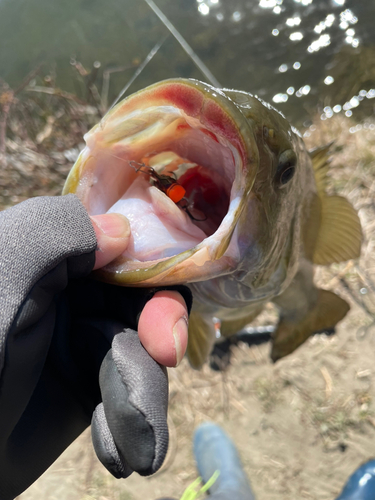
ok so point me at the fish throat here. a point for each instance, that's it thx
(197, 163)
(173, 161)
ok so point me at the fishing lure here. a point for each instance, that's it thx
(168, 184)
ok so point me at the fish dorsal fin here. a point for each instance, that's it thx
(340, 234)
(320, 158)
(201, 339)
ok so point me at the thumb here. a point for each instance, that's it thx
(112, 234)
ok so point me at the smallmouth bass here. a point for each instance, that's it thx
(247, 223)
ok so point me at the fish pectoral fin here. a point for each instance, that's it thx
(201, 339)
(327, 312)
(340, 234)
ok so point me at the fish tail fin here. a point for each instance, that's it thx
(329, 309)
(201, 339)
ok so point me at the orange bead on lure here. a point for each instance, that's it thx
(166, 183)
(175, 192)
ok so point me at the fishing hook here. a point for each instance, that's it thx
(168, 184)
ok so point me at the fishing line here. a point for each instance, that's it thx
(181, 40)
(139, 70)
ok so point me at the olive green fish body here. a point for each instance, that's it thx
(253, 220)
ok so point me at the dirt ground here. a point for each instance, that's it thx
(302, 425)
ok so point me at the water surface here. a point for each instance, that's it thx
(302, 55)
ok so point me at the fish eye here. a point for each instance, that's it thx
(286, 167)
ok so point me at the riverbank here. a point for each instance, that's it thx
(302, 426)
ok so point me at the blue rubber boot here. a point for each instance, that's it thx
(213, 451)
(361, 484)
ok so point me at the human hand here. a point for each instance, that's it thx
(56, 327)
(162, 325)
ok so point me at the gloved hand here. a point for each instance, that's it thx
(58, 330)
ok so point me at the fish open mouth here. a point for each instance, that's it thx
(172, 159)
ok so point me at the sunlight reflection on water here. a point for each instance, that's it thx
(333, 32)
(304, 55)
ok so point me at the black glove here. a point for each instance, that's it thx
(56, 328)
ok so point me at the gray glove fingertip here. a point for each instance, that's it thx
(134, 390)
(105, 447)
(147, 385)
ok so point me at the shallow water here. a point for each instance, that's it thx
(301, 55)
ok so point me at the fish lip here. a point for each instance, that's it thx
(218, 113)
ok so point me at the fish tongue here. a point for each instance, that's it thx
(159, 227)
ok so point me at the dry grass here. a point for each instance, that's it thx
(302, 425)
